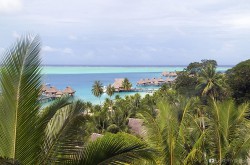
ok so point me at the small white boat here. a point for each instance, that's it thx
(104, 89)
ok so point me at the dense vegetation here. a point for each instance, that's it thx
(192, 121)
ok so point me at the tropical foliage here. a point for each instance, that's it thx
(211, 83)
(239, 81)
(31, 134)
(180, 128)
(126, 85)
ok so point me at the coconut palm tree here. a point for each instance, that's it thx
(210, 82)
(175, 133)
(30, 134)
(228, 132)
(110, 90)
(126, 85)
(118, 148)
(23, 123)
(97, 90)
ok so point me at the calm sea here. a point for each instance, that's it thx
(81, 78)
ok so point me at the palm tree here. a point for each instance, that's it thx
(227, 134)
(97, 90)
(118, 148)
(210, 82)
(110, 90)
(23, 123)
(126, 85)
(55, 134)
(175, 133)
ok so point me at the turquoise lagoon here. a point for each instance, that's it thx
(81, 78)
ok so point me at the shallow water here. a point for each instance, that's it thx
(81, 78)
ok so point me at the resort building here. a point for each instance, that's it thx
(69, 91)
(154, 81)
(118, 84)
(169, 74)
(51, 91)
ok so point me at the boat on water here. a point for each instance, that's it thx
(104, 89)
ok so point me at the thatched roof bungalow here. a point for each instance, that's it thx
(136, 126)
(69, 91)
(44, 88)
(118, 84)
(141, 82)
(59, 93)
(51, 91)
(165, 74)
(169, 80)
(95, 136)
(172, 74)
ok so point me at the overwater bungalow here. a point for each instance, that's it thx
(44, 88)
(172, 74)
(160, 80)
(51, 91)
(59, 94)
(141, 82)
(95, 136)
(118, 84)
(165, 74)
(69, 91)
(136, 126)
(168, 80)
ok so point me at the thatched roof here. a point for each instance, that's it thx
(136, 126)
(169, 80)
(118, 83)
(95, 136)
(44, 88)
(165, 73)
(141, 81)
(147, 81)
(59, 93)
(173, 74)
(51, 89)
(160, 80)
(153, 80)
(69, 90)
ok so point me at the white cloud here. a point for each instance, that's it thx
(49, 49)
(16, 35)
(58, 50)
(8, 6)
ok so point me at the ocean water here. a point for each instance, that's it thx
(81, 78)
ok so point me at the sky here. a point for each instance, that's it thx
(130, 32)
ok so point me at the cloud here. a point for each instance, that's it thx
(58, 50)
(49, 49)
(8, 6)
(16, 35)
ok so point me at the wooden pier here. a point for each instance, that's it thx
(140, 90)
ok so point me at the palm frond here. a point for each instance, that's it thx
(65, 134)
(116, 149)
(20, 82)
(227, 130)
(48, 112)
